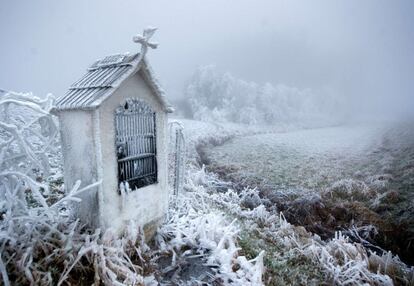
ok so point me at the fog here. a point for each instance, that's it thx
(362, 50)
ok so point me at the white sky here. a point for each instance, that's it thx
(363, 49)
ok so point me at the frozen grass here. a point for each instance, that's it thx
(305, 158)
(332, 178)
(196, 229)
(41, 246)
(293, 255)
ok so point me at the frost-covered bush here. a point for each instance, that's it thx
(350, 189)
(42, 246)
(216, 96)
(250, 199)
(380, 182)
(27, 134)
(28, 146)
(388, 264)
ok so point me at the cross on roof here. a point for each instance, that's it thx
(144, 40)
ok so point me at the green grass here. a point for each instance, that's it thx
(282, 267)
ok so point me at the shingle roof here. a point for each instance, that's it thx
(102, 78)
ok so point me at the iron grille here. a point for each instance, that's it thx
(136, 144)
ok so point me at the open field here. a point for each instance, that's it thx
(359, 179)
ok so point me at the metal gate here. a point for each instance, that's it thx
(136, 144)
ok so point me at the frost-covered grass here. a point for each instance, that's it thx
(213, 234)
(304, 158)
(293, 255)
(198, 230)
(356, 179)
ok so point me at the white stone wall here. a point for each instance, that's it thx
(79, 161)
(147, 204)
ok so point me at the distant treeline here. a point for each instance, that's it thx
(216, 96)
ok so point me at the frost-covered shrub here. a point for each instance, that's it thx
(28, 147)
(346, 263)
(388, 264)
(250, 199)
(42, 246)
(27, 134)
(350, 189)
(380, 182)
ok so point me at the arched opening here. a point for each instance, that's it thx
(135, 143)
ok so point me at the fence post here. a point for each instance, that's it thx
(179, 156)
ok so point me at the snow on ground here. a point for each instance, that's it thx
(300, 158)
(199, 133)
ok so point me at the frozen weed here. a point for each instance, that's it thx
(349, 189)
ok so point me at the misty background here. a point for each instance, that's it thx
(337, 58)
